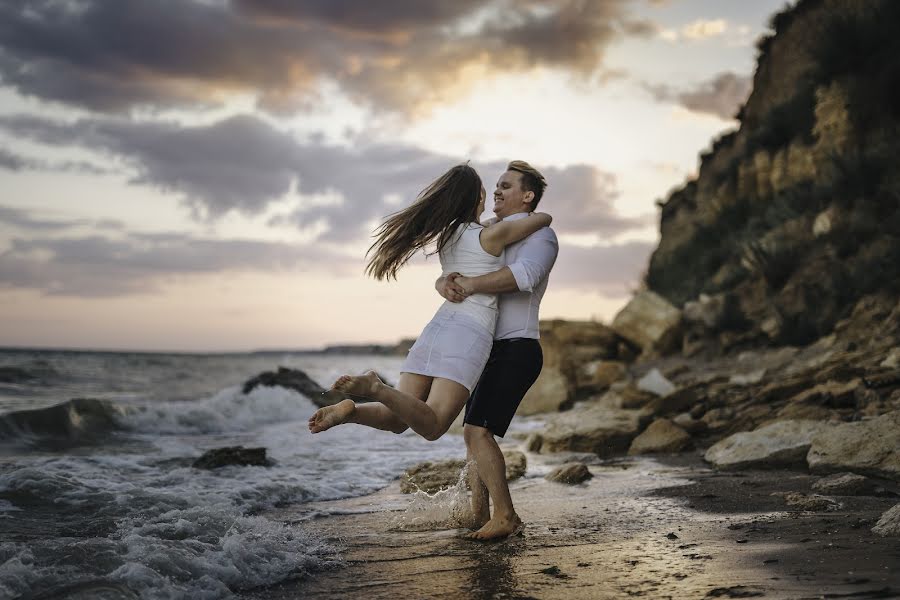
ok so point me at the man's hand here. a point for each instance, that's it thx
(450, 289)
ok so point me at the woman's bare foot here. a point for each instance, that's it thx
(362, 385)
(329, 416)
(497, 528)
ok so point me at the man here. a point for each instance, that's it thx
(516, 357)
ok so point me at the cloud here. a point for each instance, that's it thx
(613, 270)
(99, 266)
(721, 95)
(706, 29)
(244, 164)
(397, 55)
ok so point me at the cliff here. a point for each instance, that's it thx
(795, 216)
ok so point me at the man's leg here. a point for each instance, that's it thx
(481, 509)
(491, 468)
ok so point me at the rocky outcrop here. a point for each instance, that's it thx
(650, 322)
(568, 346)
(889, 523)
(233, 455)
(661, 436)
(593, 427)
(297, 380)
(570, 474)
(785, 225)
(844, 484)
(780, 444)
(871, 447)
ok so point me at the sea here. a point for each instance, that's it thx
(98, 498)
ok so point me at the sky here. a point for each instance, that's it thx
(205, 175)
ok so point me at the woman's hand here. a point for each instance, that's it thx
(449, 288)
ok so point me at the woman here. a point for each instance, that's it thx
(444, 364)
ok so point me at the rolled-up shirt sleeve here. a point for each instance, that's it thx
(535, 259)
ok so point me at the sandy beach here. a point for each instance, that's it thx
(653, 528)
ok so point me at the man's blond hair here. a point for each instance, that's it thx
(532, 180)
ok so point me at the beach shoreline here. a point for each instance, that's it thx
(655, 528)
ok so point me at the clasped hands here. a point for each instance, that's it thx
(455, 287)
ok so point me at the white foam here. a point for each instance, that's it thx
(229, 410)
(446, 509)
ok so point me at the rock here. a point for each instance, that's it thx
(661, 436)
(747, 378)
(682, 399)
(232, 455)
(570, 474)
(812, 503)
(551, 392)
(593, 427)
(870, 447)
(533, 442)
(15, 375)
(655, 383)
(650, 322)
(598, 375)
(889, 523)
(689, 423)
(516, 464)
(833, 394)
(706, 310)
(297, 380)
(892, 361)
(627, 395)
(844, 484)
(431, 477)
(779, 444)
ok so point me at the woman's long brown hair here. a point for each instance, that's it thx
(448, 202)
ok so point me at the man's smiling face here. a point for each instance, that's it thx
(509, 197)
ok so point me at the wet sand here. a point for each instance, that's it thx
(639, 528)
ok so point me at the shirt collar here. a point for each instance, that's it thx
(516, 216)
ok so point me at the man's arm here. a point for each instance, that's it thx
(449, 289)
(533, 263)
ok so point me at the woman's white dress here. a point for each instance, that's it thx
(457, 341)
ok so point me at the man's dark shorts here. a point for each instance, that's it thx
(512, 368)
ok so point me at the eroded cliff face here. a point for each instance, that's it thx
(795, 216)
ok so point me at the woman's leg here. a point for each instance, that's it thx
(430, 419)
(373, 414)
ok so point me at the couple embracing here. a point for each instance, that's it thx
(481, 349)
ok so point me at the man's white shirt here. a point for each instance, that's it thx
(530, 261)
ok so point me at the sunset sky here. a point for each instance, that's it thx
(206, 174)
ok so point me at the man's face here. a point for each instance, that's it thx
(509, 197)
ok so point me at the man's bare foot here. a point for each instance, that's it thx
(329, 416)
(496, 529)
(362, 385)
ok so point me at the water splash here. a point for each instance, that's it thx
(448, 508)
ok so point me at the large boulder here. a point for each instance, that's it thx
(297, 380)
(649, 321)
(570, 474)
(889, 523)
(551, 392)
(871, 447)
(597, 375)
(661, 436)
(593, 427)
(779, 444)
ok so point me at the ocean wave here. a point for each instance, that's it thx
(227, 411)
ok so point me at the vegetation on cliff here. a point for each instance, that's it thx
(796, 214)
